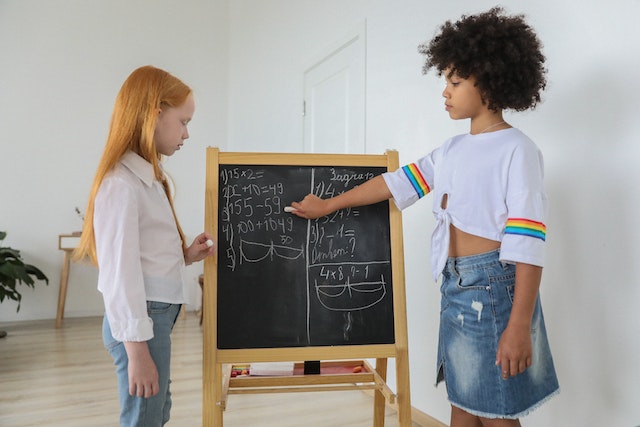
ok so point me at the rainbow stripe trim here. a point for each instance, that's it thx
(416, 179)
(526, 227)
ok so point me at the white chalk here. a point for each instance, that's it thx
(209, 242)
(289, 209)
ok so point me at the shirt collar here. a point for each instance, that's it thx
(139, 166)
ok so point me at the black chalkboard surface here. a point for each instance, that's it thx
(283, 281)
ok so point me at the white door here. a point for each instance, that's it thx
(334, 98)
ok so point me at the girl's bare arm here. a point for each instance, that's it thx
(373, 191)
(515, 347)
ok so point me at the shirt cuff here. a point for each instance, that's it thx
(132, 329)
(525, 249)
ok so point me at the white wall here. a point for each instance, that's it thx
(63, 62)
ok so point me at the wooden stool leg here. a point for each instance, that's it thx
(62, 295)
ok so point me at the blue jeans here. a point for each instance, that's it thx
(139, 411)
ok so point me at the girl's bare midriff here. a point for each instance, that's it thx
(465, 244)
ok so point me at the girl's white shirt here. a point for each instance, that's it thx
(488, 179)
(138, 247)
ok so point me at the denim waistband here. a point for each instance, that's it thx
(472, 262)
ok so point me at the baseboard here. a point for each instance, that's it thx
(417, 416)
(424, 420)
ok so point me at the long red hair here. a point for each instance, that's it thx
(133, 123)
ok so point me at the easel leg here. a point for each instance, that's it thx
(219, 403)
(62, 294)
(404, 395)
(212, 403)
(379, 401)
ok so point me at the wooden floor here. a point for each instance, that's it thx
(64, 377)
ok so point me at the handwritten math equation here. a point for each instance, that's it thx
(338, 252)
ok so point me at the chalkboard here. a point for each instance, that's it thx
(283, 281)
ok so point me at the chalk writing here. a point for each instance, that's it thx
(302, 270)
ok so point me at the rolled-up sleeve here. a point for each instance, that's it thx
(525, 230)
(121, 279)
(411, 182)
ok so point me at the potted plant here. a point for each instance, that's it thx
(13, 271)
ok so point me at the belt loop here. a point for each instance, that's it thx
(454, 265)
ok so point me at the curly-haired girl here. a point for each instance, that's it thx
(490, 207)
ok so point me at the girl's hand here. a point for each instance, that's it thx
(373, 191)
(311, 207)
(143, 374)
(515, 350)
(199, 249)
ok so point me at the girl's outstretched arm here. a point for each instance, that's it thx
(373, 191)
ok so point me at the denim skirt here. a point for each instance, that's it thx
(477, 295)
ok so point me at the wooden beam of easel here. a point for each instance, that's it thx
(226, 375)
(367, 379)
(382, 385)
(272, 390)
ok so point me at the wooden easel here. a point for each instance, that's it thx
(217, 362)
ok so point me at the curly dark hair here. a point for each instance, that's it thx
(501, 52)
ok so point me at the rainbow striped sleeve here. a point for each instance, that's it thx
(526, 227)
(417, 180)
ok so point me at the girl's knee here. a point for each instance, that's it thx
(461, 418)
(498, 422)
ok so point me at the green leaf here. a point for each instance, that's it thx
(9, 253)
(35, 271)
(14, 271)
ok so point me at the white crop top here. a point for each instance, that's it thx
(493, 183)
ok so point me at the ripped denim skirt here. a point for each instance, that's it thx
(477, 295)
